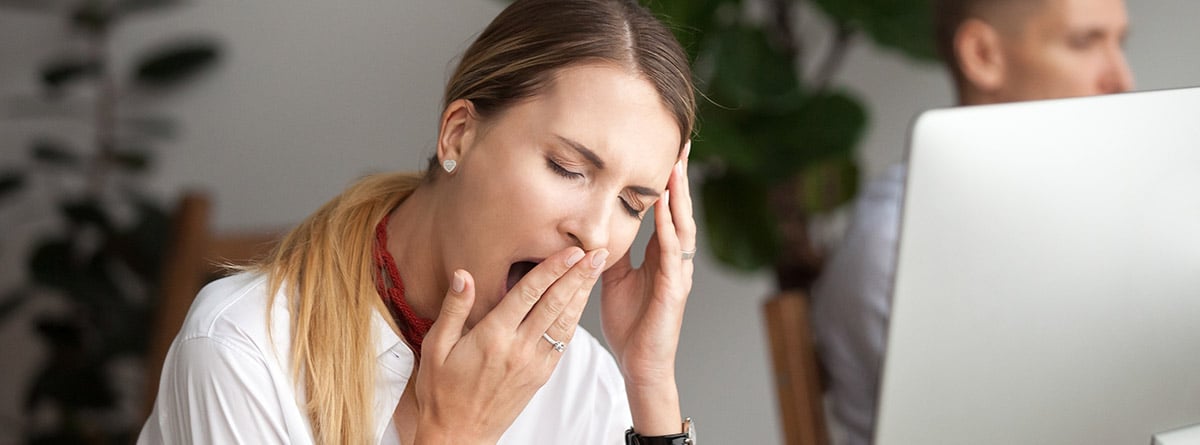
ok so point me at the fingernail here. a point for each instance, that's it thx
(458, 283)
(574, 258)
(666, 197)
(679, 168)
(687, 149)
(599, 258)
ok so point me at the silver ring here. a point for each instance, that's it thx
(688, 254)
(558, 345)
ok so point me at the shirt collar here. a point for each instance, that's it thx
(385, 336)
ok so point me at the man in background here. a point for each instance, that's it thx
(996, 51)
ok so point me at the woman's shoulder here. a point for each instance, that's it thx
(230, 309)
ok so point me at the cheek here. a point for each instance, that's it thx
(1075, 72)
(518, 197)
(540, 199)
(1051, 73)
(624, 232)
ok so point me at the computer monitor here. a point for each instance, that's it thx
(1048, 279)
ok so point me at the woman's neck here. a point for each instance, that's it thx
(412, 242)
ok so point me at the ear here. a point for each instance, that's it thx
(980, 55)
(457, 130)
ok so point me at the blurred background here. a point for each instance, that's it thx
(107, 116)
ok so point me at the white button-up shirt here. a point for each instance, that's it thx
(227, 379)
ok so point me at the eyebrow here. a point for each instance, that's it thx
(1093, 31)
(592, 157)
(583, 150)
(644, 191)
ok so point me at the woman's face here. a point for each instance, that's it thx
(578, 165)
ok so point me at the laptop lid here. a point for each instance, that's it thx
(1048, 280)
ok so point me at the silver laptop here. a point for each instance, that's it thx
(1048, 281)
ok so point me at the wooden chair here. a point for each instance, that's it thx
(194, 257)
(797, 373)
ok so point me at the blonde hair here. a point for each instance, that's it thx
(327, 268)
(325, 265)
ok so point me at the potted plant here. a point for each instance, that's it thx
(775, 150)
(104, 261)
(777, 134)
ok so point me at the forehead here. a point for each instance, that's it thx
(1071, 15)
(611, 110)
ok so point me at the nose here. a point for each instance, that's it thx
(588, 224)
(1118, 77)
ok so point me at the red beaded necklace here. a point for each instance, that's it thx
(391, 289)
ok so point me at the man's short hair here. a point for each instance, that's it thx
(949, 15)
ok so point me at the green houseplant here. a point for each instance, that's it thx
(777, 136)
(103, 260)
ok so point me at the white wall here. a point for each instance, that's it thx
(314, 94)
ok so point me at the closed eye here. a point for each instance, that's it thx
(558, 169)
(1085, 40)
(562, 171)
(629, 208)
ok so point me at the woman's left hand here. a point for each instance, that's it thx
(642, 309)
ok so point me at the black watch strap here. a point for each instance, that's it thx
(687, 437)
(632, 438)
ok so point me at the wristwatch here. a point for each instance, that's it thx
(687, 437)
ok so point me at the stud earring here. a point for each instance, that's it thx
(449, 165)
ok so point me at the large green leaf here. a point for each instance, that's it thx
(51, 263)
(76, 383)
(142, 246)
(903, 25)
(774, 145)
(691, 20)
(828, 184)
(92, 16)
(720, 139)
(58, 73)
(824, 126)
(176, 62)
(87, 281)
(765, 131)
(91, 284)
(748, 72)
(739, 224)
(86, 212)
(133, 160)
(125, 331)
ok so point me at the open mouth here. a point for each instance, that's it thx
(517, 271)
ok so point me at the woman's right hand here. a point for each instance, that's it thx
(472, 384)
